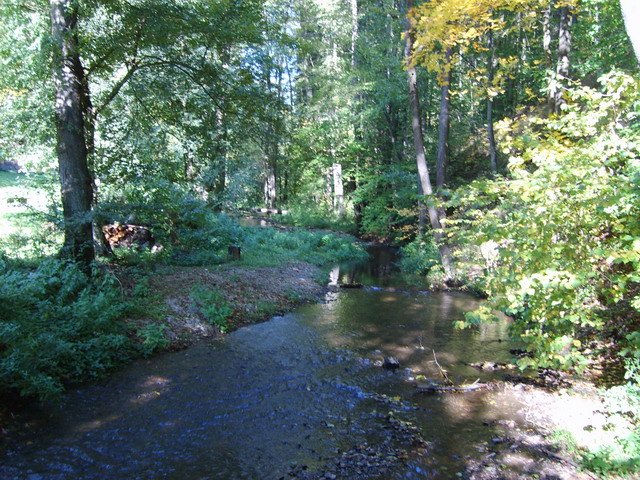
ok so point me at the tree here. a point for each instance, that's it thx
(631, 15)
(71, 147)
(564, 50)
(435, 216)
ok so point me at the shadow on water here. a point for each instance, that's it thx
(300, 389)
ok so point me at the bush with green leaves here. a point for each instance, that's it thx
(564, 223)
(153, 337)
(213, 306)
(389, 203)
(420, 256)
(57, 326)
(187, 227)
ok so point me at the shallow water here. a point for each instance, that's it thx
(296, 389)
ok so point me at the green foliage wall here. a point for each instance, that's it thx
(563, 226)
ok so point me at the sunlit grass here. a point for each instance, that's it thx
(24, 230)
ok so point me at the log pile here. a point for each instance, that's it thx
(119, 235)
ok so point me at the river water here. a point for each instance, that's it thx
(296, 390)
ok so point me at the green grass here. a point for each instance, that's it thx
(263, 247)
(25, 232)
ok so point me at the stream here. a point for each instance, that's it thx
(289, 395)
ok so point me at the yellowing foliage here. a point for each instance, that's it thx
(459, 26)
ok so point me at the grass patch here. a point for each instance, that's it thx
(312, 216)
(263, 247)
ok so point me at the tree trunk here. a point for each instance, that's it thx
(354, 30)
(443, 122)
(338, 189)
(546, 34)
(270, 182)
(421, 160)
(564, 49)
(493, 155)
(631, 15)
(71, 147)
(220, 184)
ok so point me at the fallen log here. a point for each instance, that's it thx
(350, 285)
(434, 387)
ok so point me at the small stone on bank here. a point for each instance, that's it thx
(391, 363)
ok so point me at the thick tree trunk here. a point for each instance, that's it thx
(71, 147)
(443, 122)
(631, 15)
(421, 160)
(493, 153)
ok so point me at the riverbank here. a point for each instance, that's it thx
(247, 294)
(309, 387)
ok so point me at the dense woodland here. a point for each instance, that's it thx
(496, 142)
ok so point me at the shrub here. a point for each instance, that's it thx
(57, 326)
(213, 306)
(153, 338)
(188, 229)
(420, 256)
(564, 223)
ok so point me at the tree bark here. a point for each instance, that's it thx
(564, 49)
(493, 154)
(338, 190)
(220, 182)
(631, 15)
(270, 182)
(354, 30)
(71, 147)
(546, 34)
(443, 122)
(421, 159)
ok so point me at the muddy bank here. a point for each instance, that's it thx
(254, 294)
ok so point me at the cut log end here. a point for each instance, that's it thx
(235, 252)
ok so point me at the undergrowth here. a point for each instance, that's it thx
(57, 326)
(312, 215)
(212, 306)
(269, 246)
